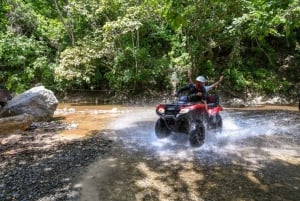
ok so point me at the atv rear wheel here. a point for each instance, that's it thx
(161, 129)
(197, 135)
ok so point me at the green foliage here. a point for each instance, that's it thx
(236, 78)
(22, 61)
(76, 66)
(4, 8)
(264, 29)
(133, 47)
(22, 19)
(130, 78)
(122, 53)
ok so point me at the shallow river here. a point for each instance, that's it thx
(256, 157)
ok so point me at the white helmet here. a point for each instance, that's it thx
(200, 79)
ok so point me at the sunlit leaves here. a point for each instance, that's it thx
(18, 51)
(51, 30)
(120, 27)
(21, 18)
(132, 44)
(76, 64)
(20, 59)
(263, 18)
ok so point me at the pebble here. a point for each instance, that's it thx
(40, 167)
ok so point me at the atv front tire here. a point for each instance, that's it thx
(197, 135)
(161, 129)
(215, 123)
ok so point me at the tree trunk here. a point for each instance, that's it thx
(67, 25)
(11, 124)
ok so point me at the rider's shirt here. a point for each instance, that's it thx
(208, 88)
(193, 93)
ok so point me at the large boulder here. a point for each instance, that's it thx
(38, 102)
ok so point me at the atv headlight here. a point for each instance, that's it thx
(161, 110)
(184, 111)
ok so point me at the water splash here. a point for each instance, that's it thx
(240, 130)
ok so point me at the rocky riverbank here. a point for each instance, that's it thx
(39, 164)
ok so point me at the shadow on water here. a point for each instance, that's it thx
(255, 158)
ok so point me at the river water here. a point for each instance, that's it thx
(268, 130)
(256, 157)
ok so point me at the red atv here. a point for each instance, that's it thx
(192, 119)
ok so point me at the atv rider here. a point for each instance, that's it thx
(209, 87)
(196, 92)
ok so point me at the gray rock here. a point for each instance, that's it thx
(276, 100)
(236, 102)
(39, 102)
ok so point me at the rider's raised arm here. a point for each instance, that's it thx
(217, 83)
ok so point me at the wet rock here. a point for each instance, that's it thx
(18, 122)
(39, 102)
(277, 100)
(236, 102)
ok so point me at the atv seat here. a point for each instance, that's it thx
(212, 100)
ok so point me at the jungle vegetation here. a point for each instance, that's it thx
(143, 46)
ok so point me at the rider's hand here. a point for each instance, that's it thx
(221, 78)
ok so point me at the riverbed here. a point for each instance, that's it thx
(110, 152)
(256, 157)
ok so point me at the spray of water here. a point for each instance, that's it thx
(240, 130)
